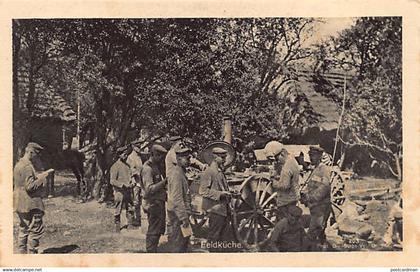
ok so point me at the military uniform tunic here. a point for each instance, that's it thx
(154, 198)
(121, 180)
(179, 207)
(287, 237)
(287, 186)
(135, 163)
(318, 201)
(27, 201)
(212, 183)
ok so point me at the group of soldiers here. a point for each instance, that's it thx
(164, 196)
(289, 232)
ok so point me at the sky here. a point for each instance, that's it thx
(330, 27)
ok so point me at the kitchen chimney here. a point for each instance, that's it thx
(227, 129)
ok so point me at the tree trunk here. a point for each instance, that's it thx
(31, 76)
(398, 167)
(98, 181)
(15, 59)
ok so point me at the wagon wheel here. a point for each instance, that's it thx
(337, 188)
(254, 213)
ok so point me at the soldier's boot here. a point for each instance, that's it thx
(137, 216)
(78, 188)
(131, 220)
(130, 217)
(22, 244)
(33, 245)
(117, 222)
(152, 242)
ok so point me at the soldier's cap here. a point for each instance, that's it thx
(316, 149)
(34, 146)
(219, 151)
(158, 148)
(182, 151)
(273, 148)
(175, 138)
(295, 211)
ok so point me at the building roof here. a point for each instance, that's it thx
(47, 102)
(321, 92)
(327, 110)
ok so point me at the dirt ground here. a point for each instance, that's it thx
(73, 227)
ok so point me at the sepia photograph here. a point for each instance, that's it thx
(207, 135)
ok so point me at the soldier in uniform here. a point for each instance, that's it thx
(179, 201)
(121, 181)
(154, 197)
(316, 196)
(216, 196)
(28, 190)
(90, 174)
(288, 234)
(136, 164)
(170, 159)
(286, 177)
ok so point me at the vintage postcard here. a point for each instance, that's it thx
(238, 133)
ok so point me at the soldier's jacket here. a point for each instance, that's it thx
(153, 184)
(288, 238)
(319, 188)
(120, 174)
(212, 183)
(27, 188)
(170, 159)
(135, 163)
(179, 199)
(287, 184)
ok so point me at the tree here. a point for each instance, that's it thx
(35, 44)
(173, 75)
(372, 49)
(237, 64)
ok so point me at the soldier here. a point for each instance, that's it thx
(90, 174)
(154, 197)
(286, 177)
(28, 189)
(121, 181)
(179, 201)
(136, 164)
(170, 159)
(316, 196)
(288, 234)
(216, 196)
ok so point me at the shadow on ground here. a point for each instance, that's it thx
(58, 250)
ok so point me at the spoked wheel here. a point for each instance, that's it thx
(337, 188)
(337, 195)
(254, 213)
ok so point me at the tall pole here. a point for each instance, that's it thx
(341, 118)
(78, 120)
